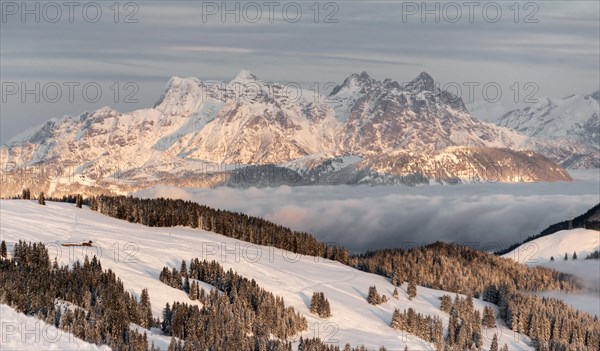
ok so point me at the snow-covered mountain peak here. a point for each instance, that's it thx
(423, 82)
(356, 82)
(181, 84)
(244, 77)
(181, 96)
(103, 111)
(362, 78)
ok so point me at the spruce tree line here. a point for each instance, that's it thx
(218, 325)
(101, 312)
(464, 331)
(244, 308)
(316, 344)
(464, 325)
(427, 328)
(550, 323)
(168, 213)
(460, 269)
(593, 256)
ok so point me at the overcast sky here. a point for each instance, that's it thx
(554, 44)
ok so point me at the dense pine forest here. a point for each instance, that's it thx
(101, 310)
(551, 323)
(425, 327)
(460, 269)
(245, 308)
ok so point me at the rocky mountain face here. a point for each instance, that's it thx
(572, 121)
(207, 133)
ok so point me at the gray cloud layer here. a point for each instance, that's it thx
(363, 217)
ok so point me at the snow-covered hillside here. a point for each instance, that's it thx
(137, 254)
(21, 332)
(541, 250)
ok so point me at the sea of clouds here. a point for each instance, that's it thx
(485, 215)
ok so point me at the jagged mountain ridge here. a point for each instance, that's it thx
(574, 119)
(249, 121)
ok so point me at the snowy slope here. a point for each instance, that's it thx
(487, 111)
(583, 241)
(143, 251)
(21, 332)
(540, 250)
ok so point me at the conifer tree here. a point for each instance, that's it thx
(186, 285)
(396, 280)
(173, 345)
(41, 199)
(489, 317)
(566, 257)
(79, 201)
(446, 303)
(373, 297)
(3, 250)
(574, 255)
(183, 270)
(494, 346)
(325, 307)
(194, 291)
(166, 322)
(395, 294)
(411, 290)
(314, 303)
(145, 310)
(396, 320)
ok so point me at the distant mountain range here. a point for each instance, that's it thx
(251, 132)
(571, 120)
